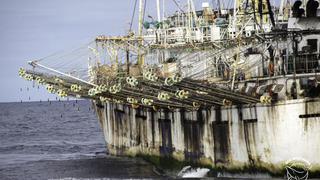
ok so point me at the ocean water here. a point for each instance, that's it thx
(63, 140)
(59, 140)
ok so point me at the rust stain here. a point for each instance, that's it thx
(130, 129)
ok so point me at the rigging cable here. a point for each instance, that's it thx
(144, 9)
(271, 13)
(177, 4)
(133, 13)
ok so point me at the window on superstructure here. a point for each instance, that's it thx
(313, 43)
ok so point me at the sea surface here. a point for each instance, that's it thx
(63, 140)
(59, 140)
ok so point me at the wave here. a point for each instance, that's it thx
(53, 148)
(189, 172)
(13, 159)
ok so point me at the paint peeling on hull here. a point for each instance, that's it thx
(234, 138)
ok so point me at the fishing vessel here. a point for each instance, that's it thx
(230, 87)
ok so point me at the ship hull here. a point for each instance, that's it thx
(261, 137)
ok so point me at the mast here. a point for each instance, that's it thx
(193, 11)
(284, 9)
(235, 6)
(163, 9)
(140, 28)
(189, 15)
(158, 10)
(220, 7)
(254, 14)
(141, 15)
(192, 16)
(281, 8)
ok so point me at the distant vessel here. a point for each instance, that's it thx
(235, 88)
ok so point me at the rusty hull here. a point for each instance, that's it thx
(235, 138)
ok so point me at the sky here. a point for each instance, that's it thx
(33, 29)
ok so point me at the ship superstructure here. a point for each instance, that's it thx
(213, 86)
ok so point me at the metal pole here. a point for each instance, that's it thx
(194, 13)
(295, 52)
(34, 63)
(189, 17)
(141, 14)
(234, 15)
(158, 10)
(220, 7)
(140, 28)
(128, 61)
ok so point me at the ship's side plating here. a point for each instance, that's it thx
(260, 136)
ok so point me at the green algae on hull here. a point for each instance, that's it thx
(168, 163)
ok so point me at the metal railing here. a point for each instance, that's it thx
(304, 63)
